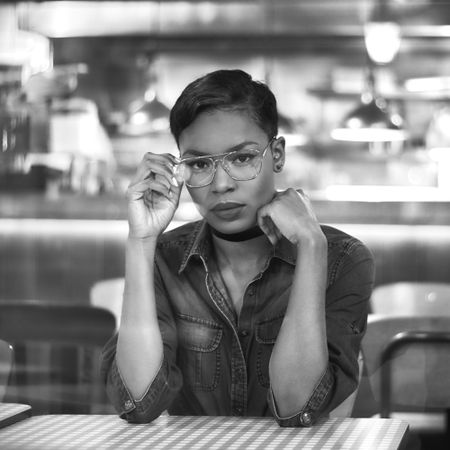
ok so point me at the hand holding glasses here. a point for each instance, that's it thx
(241, 165)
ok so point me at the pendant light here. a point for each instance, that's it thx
(149, 114)
(382, 34)
(371, 120)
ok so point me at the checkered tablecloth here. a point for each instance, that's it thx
(169, 432)
(13, 412)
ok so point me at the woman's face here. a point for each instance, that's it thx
(230, 206)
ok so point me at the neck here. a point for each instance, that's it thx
(248, 250)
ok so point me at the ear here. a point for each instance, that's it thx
(278, 154)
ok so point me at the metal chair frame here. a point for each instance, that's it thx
(397, 343)
(6, 358)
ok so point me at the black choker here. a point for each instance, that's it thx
(241, 235)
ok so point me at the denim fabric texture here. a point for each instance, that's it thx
(216, 363)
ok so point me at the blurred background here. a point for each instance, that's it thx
(86, 87)
(363, 89)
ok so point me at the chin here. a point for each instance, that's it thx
(235, 226)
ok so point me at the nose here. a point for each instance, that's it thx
(222, 182)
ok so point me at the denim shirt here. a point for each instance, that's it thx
(215, 362)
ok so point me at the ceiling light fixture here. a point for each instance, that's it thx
(371, 120)
(382, 34)
(148, 115)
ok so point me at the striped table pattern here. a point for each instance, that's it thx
(184, 432)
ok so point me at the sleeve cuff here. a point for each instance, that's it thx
(143, 409)
(309, 414)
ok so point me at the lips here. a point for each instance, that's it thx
(225, 206)
(227, 210)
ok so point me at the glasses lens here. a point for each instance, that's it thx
(198, 172)
(244, 164)
(241, 165)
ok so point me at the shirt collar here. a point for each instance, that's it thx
(199, 245)
(201, 242)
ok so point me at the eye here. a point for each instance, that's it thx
(199, 164)
(243, 157)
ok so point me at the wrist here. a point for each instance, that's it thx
(316, 243)
(142, 240)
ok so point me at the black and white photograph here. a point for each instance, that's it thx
(225, 224)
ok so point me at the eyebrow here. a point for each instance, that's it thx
(191, 153)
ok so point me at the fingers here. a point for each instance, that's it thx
(288, 214)
(295, 199)
(155, 173)
(161, 164)
(152, 184)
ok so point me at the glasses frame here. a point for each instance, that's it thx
(220, 159)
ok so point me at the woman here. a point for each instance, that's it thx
(257, 309)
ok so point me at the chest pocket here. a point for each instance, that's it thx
(266, 336)
(199, 352)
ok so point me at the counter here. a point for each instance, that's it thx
(348, 209)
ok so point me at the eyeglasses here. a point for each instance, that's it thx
(241, 165)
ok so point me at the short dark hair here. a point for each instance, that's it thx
(226, 90)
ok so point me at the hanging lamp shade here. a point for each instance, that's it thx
(370, 121)
(147, 114)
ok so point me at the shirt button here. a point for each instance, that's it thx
(306, 418)
(128, 404)
(243, 333)
(251, 291)
(238, 411)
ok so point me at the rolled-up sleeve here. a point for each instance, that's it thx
(167, 382)
(156, 399)
(349, 288)
(312, 410)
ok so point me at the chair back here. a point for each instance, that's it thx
(108, 294)
(56, 354)
(411, 299)
(420, 373)
(6, 355)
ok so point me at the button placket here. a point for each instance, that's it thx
(238, 372)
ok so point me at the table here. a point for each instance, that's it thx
(13, 412)
(63, 432)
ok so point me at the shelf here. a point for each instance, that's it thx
(349, 207)
(399, 95)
